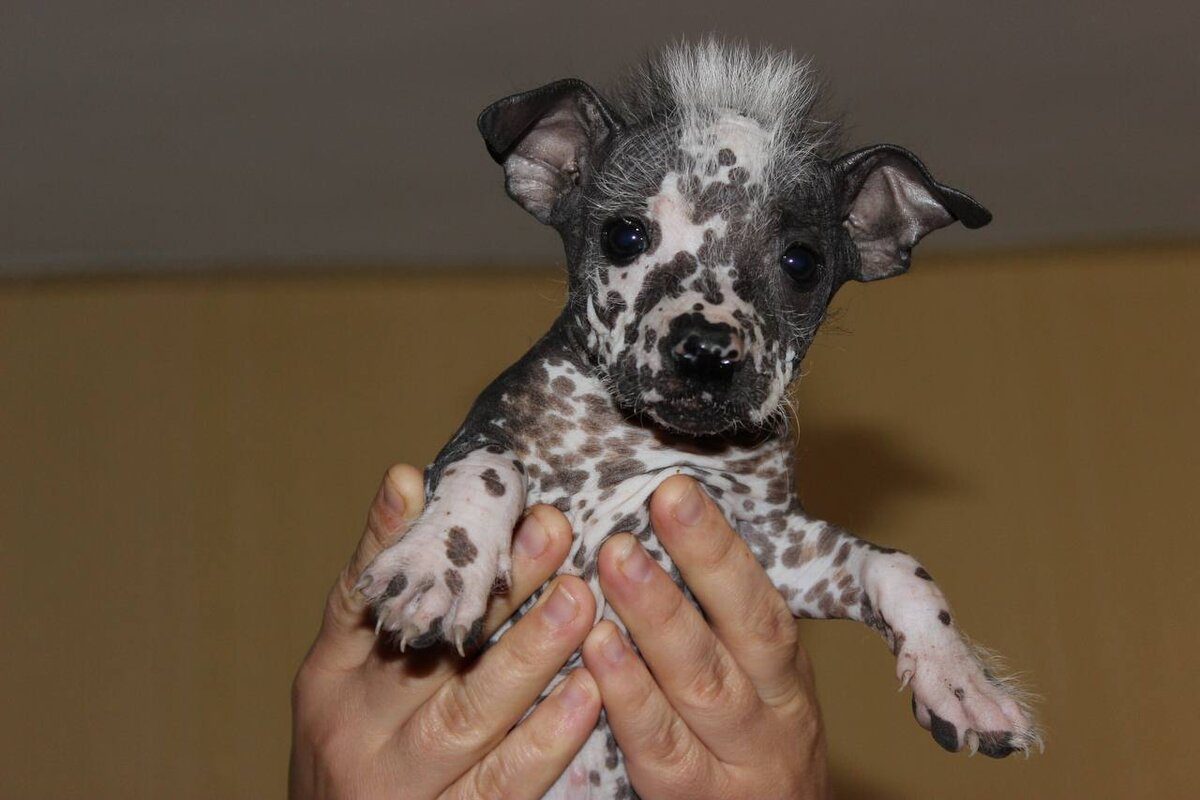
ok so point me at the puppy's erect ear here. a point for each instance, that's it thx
(548, 140)
(890, 202)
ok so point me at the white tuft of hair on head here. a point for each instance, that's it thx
(692, 86)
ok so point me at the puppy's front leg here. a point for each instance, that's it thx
(826, 572)
(434, 583)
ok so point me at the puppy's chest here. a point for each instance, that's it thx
(581, 454)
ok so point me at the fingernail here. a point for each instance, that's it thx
(532, 539)
(561, 608)
(574, 695)
(690, 507)
(392, 497)
(634, 563)
(613, 649)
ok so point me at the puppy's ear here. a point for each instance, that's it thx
(548, 140)
(890, 201)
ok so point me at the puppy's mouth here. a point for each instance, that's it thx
(697, 413)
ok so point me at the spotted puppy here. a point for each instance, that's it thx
(706, 226)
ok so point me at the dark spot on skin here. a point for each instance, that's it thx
(579, 558)
(943, 732)
(995, 744)
(459, 548)
(748, 505)
(698, 307)
(663, 281)
(944, 616)
(492, 482)
(777, 489)
(960, 693)
(842, 554)
(827, 540)
(791, 556)
(610, 751)
(614, 472)
(739, 175)
(395, 586)
(563, 504)
(922, 574)
(594, 778)
(518, 466)
(614, 304)
(630, 523)
(710, 289)
(501, 585)
(563, 385)
(495, 449)
(882, 550)
(454, 581)
(726, 158)
(817, 589)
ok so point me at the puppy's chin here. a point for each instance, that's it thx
(695, 417)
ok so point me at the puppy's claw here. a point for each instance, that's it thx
(905, 679)
(378, 623)
(363, 583)
(460, 637)
(410, 631)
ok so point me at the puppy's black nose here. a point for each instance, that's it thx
(706, 351)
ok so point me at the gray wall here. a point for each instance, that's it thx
(175, 135)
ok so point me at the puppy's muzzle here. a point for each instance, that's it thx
(704, 351)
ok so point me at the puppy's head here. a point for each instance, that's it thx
(706, 227)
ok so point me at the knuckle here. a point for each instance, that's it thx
(772, 624)
(669, 748)
(711, 684)
(490, 779)
(453, 723)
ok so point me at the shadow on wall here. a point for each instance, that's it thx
(854, 474)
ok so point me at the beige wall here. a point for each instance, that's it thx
(186, 462)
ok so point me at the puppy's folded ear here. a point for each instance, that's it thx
(548, 141)
(890, 201)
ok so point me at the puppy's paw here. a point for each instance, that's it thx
(434, 584)
(959, 698)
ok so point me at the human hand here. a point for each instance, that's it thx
(718, 708)
(369, 723)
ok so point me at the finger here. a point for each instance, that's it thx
(697, 674)
(654, 738)
(470, 713)
(346, 639)
(531, 758)
(744, 608)
(541, 544)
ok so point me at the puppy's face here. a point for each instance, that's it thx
(704, 276)
(705, 231)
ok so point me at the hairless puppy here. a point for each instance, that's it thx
(707, 224)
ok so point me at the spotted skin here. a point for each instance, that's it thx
(601, 411)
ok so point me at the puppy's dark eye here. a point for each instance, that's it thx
(623, 239)
(802, 265)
